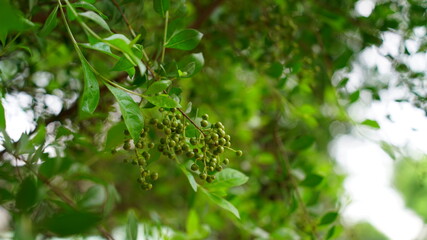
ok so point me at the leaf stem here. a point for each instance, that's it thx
(164, 37)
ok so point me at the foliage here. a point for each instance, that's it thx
(268, 73)
(410, 180)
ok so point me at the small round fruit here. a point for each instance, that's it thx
(239, 153)
(194, 167)
(204, 123)
(154, 176)
(203, 176)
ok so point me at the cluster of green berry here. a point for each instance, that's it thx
(142, 156)
(204, 150)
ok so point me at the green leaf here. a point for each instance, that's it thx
(302, 143)
(27, 194)
(123, 44)
(275, 70)
(5, 195)
(23, 225)
(100, 47)
(312, 180)
(371, 123)
(88, 6)
(228, 178)
(186, 39)
(119, 41)
(354, 96)
(40, 136)
(50, 23)
(158, 86)
(221, 202)
(96, 18)
(189, 176)
(24, 144)
(161, 6)
(94, 197)
(122, 65)
(328, 218)
(163, 100)
(2, 117)
(90, 96)
(115, 136)
(192, 226)
(72, 222)
(132, 227)
(191, 64)
(131, 113)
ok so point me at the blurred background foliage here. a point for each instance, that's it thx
(274, 74)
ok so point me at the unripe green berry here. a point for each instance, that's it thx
(209, 179)
(204, 123)
(194, 167)
(151, 145)
(193, 141)
(190, 154)
(239, 153)
(226, 161)
(161, 109)
(203, 176)
(205, 116)
(154, 176)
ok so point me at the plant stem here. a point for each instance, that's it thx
(132, 32)
(164, 37)
(191, 121)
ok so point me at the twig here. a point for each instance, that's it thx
(164, 37)
(124, 18)
(192, 122)
(282, 155)
(61, 195)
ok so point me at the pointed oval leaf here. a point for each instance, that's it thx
(131, 113)
(222, 202)
(189, 176)
(312, 180)
(2, 117)
(72, 222)
(50, 23)
(328, 218)
(228, 178)
(27, 194)
(161, 6)
(100, 47)
(96, 18)
(88, 6)
(119, 41)
(186, 39)
(94, 197)
(158, 86)
(122, 65)
(163, 100)
(132, 227)
(371, 123)
(90, 96)
(191, 64)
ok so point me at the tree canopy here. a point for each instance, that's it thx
(198, 119)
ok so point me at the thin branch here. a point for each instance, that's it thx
(164, 37)
(282, 156)
(61, 195)
(132, 32)
(192, 122)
